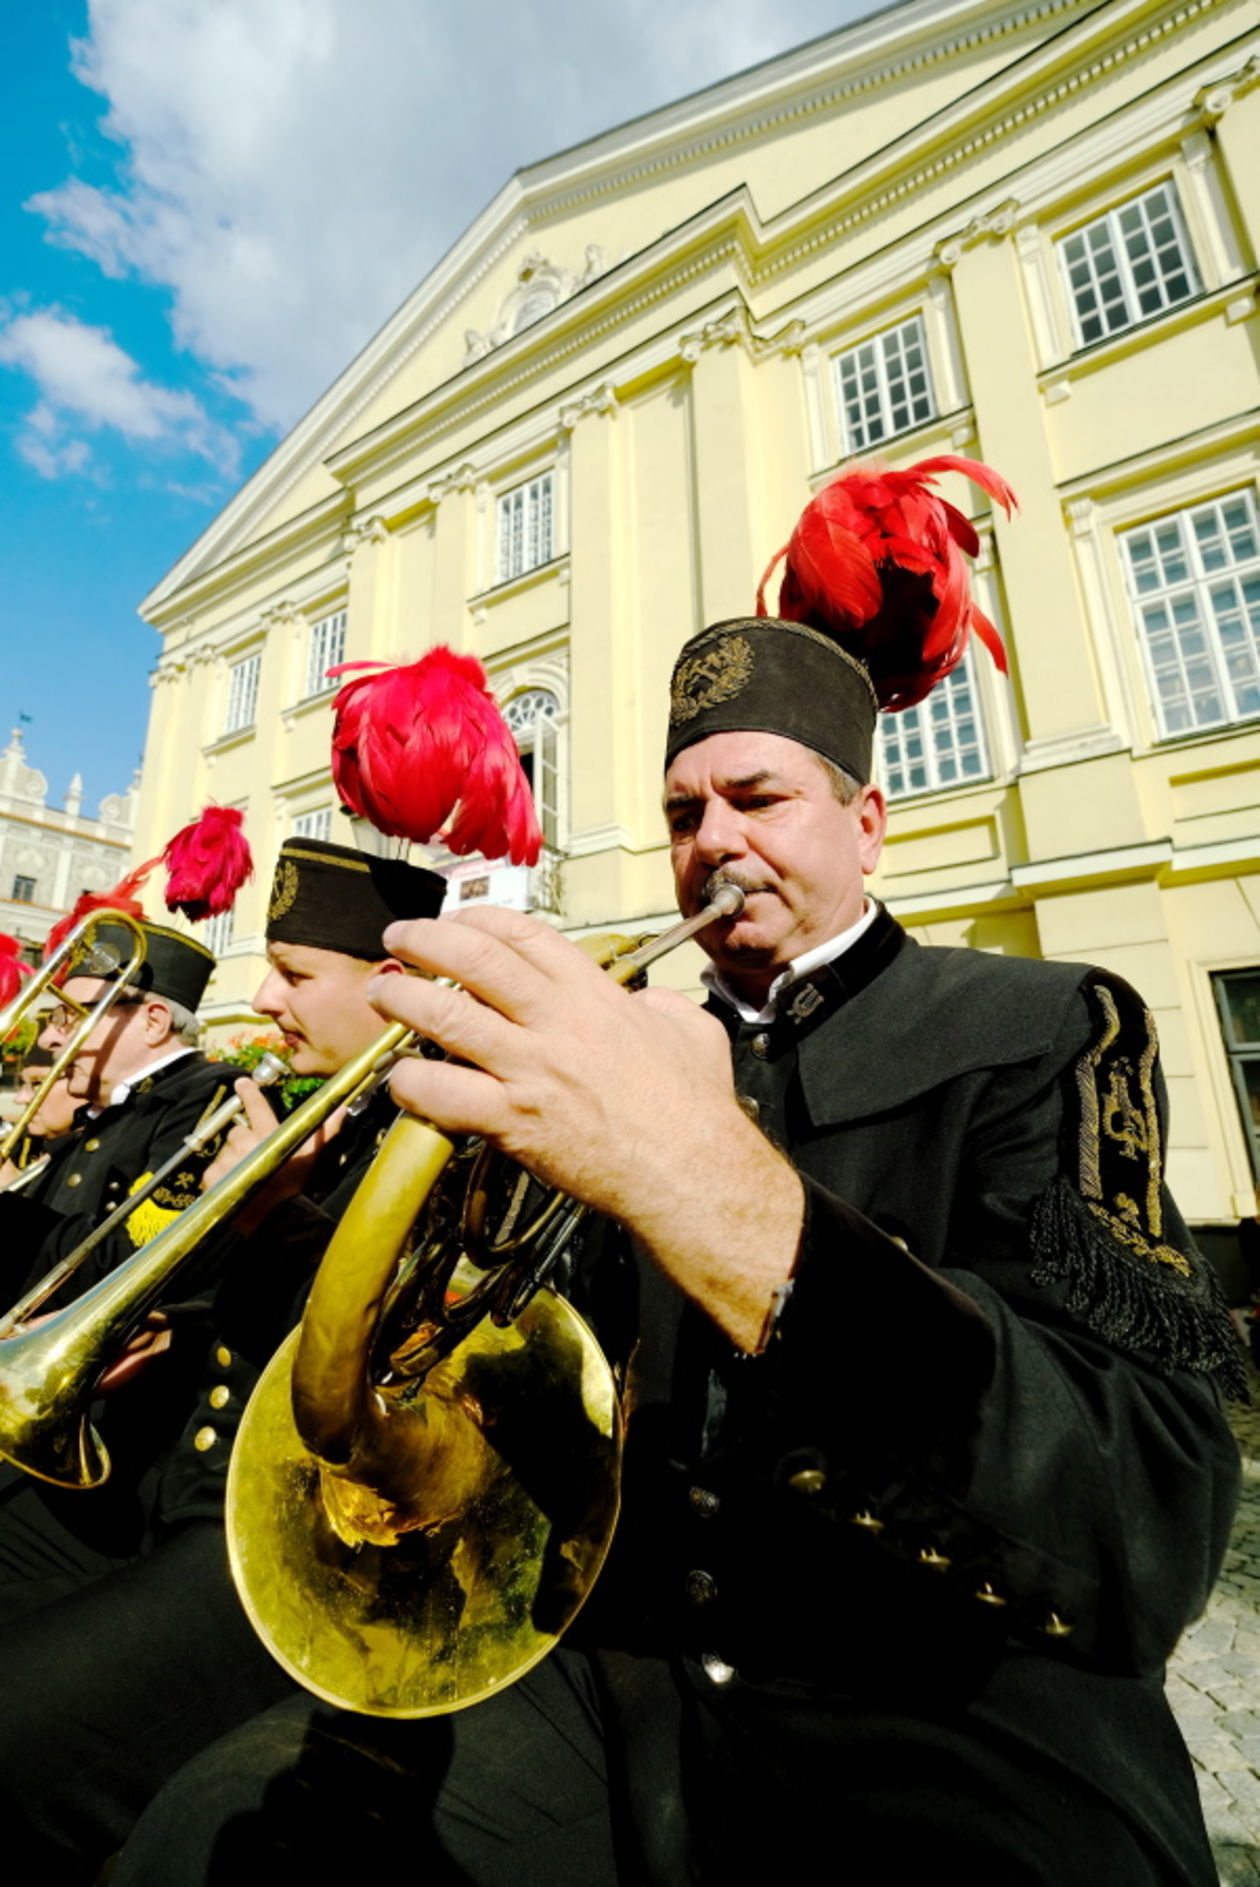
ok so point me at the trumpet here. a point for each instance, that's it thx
(84, 958)
(269, 1070)
(414, 1520)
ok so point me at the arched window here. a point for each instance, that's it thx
(532, 717)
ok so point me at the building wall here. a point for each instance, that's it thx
(49, 854)
(653, 322)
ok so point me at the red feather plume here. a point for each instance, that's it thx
(121, 898)
(207, 862)
(423, 749)
(876, 560)
(12, 968)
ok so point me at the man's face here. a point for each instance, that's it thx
(760, 809)
(318, 998)
(57, 1109)
(126, 1039)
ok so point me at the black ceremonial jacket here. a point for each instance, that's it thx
(94, 1168)
(961, 1507)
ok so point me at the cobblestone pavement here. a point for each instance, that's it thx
(1214, 1682)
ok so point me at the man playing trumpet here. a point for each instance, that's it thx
(926, 1464)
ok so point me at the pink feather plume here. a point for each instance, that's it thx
(207, 863)
(876, 560)
(12, 968)
(423, 750)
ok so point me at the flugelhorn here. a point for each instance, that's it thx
(415, 1519)
(268, 1071)
(48, 1373)
(81, 956)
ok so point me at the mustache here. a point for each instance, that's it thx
(742, 881)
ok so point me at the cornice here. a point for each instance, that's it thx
(164, 610)
(1078, 54)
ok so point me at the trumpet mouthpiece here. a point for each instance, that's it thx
(727, 900)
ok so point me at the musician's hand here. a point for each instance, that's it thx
(153, 1338)
(246, 1135)
(626, 1102)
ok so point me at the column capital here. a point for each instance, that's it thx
(1215, 100)
(994, 226)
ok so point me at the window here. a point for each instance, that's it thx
(314, 825)
(243, 693)
(1194, 580)
(1129, 264)
(23, 891)
(883, 386)
(937, 743)
(524, 528)
(328, 648)
(217, 934)
(1237, 995)
(532, 719)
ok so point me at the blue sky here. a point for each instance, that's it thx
(205, 210)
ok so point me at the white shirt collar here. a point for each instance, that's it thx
(796, 969)
(123, 1088)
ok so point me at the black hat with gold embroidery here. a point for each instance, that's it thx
(174, 966)
(332, 897)
(874, 610)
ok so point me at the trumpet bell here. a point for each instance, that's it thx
(43, 1428)
(516, 1498)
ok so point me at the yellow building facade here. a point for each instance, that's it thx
(1021, 232)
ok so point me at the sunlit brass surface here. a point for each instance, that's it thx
(48, 1372)
(460, 1608)
(410, 1548)
(79, 956)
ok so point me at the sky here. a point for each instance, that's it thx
(207, 207)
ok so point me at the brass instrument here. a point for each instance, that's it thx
(82, 958)
(47, 1373)
(269, 1070)
(422, 1494)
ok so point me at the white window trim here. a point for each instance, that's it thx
(242, 696)
(1110, 217)
(536, 497)
(325, 649)
(1198, 581)
(314, 824)
(891, 726)
(879, 342)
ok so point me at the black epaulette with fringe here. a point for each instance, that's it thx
(1099, 1228)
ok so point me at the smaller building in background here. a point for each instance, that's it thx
(49, 854)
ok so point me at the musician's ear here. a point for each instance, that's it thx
(387, 966)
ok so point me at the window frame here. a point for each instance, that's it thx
(1201, 579)
(314, 824)
(517, 551)
(319, 661)
(855, 440)
(24, 889)
(235, 720)
(889, 727)
(1124, 264)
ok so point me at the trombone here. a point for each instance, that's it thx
(83, 955)
(269, 1070)
(413, 1524)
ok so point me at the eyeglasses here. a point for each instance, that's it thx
(66, 1015)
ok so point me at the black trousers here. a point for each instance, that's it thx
(107, 1689)
(514, 1793)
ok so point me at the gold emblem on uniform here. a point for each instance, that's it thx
(715, 674)
(284, 891)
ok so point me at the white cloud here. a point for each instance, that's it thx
(88, 383)
(291, 170)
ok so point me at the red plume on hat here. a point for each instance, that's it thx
(207, 863)
(12, 968)
(876, 561)
(422, 750)
(121, 898)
